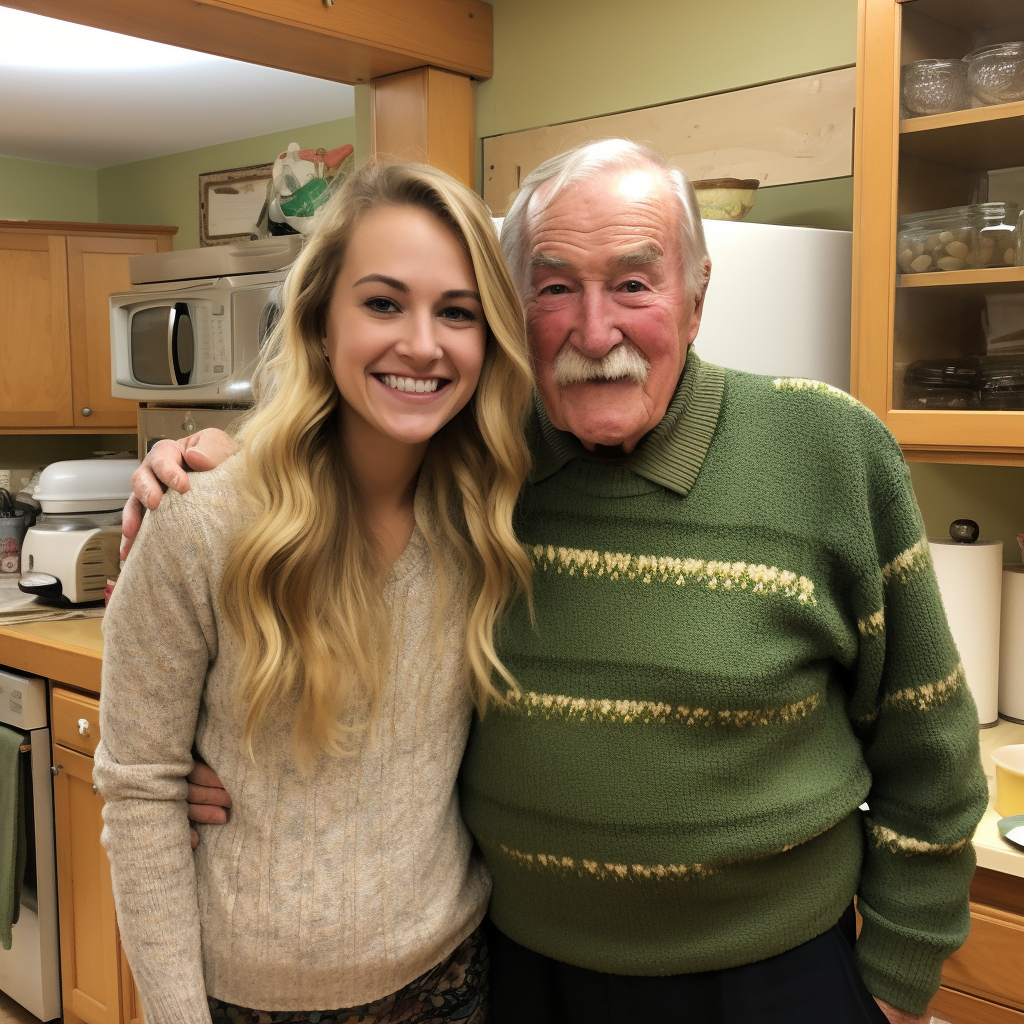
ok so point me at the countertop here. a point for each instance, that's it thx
(993, 851)
(71, 651)
(67, 650)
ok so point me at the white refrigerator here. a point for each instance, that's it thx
(778, 301)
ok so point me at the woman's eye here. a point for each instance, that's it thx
(458, 313)
(379, 304)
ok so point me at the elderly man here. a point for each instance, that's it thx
(738, 642)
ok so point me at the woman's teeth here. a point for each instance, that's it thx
(410, 383)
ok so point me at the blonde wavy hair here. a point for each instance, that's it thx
(303, 589)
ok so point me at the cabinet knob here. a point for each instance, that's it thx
(56, 769)
(83, 727)
(87, 411)
(95, 791)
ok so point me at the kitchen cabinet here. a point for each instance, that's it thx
(910, 166)
(96, 982)
(983, 982)
(55, 280)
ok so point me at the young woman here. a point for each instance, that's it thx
(315, 618)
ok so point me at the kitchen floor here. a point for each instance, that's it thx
(14, 1013)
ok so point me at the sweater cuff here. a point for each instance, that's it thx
(901, 969)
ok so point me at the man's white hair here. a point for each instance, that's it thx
(584, 163)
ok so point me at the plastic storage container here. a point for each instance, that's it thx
(995, 74)
(941, 384)
(998, 234)
(938, 240)
(1001, 383)
(934, 86)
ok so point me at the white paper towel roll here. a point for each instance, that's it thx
(970, 578)
(1011, 645)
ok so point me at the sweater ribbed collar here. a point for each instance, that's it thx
(671, 454)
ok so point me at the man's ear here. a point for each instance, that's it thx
(698, 302)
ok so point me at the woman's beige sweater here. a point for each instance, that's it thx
(321, 892)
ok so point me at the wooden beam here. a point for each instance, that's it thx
(425, 115)
(339, 40)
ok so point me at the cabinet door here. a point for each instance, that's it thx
(89, 949)
(96, 268)
(35, 355)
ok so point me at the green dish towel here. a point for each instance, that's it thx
(13, 836)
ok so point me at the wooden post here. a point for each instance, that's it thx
(425, 115)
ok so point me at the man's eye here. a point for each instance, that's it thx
(555, 289)
(458, 313)
(634, 286)
(379, 304)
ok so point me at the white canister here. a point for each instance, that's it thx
(970, 579)
(1011, 645)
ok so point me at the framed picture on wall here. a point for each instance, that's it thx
(230, 203)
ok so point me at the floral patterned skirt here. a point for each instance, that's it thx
(453, 992)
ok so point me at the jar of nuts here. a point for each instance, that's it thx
(998, 234)
(938, 240)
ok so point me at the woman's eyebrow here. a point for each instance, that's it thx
(461, 293)
(389, 281)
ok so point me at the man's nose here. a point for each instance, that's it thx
(597, 331)
(418, 342)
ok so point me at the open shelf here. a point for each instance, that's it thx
(961, 278)
(977, 139)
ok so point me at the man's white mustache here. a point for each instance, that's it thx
(625, 361)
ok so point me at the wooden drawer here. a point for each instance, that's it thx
(76, 721)
(958, 1008)
(989, 964)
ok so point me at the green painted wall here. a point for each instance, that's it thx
(31, 190)
(561, 60)
(165, 190)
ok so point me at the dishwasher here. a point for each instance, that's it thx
(30, 969)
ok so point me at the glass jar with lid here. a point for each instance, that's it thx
(1001, 382)
(934, 86)
(995, 74)
(941, 384)
(937, 240)
(998, 234)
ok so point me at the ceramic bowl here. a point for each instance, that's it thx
(725, 198)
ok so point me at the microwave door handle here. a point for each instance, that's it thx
(179, 312)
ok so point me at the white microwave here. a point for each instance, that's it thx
(186, 333)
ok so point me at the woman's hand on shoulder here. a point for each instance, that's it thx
(166, 466)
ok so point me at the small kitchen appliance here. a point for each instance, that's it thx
(192, 327)
(72, 551)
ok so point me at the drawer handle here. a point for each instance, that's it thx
(83, 727)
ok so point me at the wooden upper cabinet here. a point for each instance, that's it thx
(55, 284)
(912, 165)
(97, 267)
(35, 354)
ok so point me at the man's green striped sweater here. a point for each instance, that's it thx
(739, 640)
